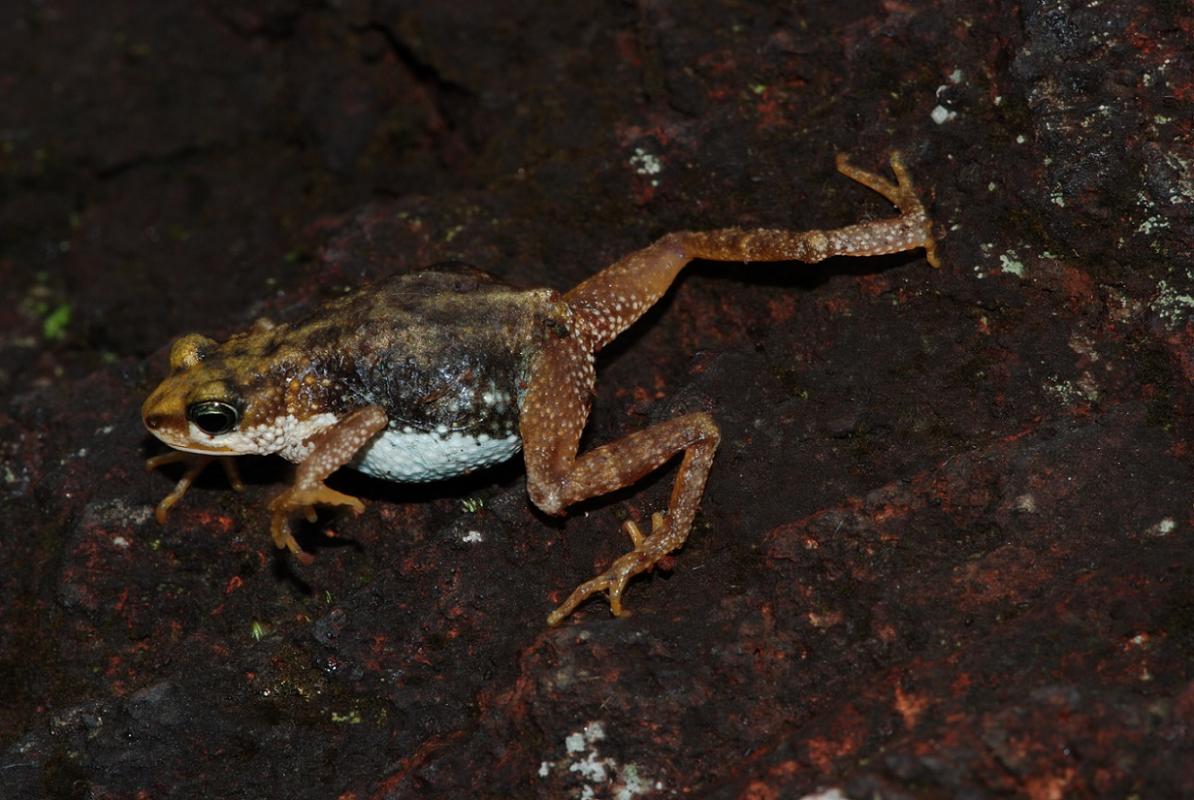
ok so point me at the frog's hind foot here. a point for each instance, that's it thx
(901, 194)
(648, 551)
(303, 501)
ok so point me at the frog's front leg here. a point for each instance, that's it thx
(558, 395)
(195, 464)
(332, 448)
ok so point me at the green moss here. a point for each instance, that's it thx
(53, 327)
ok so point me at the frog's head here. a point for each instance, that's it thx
(201, 406)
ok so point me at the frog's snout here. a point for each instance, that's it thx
(158, 412)
(151, 414)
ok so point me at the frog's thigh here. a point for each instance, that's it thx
(553, 416)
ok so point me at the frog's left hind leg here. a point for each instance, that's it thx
(557, 401)
(552, 417)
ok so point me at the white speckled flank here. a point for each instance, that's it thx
(413, 456)
(287, 436)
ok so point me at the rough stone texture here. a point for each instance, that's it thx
(945, 550)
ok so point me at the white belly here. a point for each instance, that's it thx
(414, 456)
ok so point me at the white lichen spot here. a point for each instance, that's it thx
(1020, 139)
(1026, 503)
(1083, 390)
(121, 542)
(825, 794)
(115, 514)
(1154, 223)
(956, 76)
(1088, 387)
(601, 776)
(633, 784)
(1083, 346)
(472, 537)
(1009, 263)
(941, 115)
(1163, 528)
(646, 164)
(1056, 198)
(591, 767)
(1174, 309)
(1062, 390)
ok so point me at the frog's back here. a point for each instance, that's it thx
(445, 352)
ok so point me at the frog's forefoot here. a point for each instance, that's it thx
(195, 464)
(295, 500)
(648, 551)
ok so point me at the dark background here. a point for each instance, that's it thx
(945, 549)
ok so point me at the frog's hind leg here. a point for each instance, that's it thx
(608, 302)
(553, 415)
(561, 384)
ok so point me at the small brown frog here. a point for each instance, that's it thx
(440, 372)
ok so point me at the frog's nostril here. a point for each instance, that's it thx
(154, 421)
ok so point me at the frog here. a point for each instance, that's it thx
(442, 371)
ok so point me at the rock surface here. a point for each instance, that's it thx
(945, 549)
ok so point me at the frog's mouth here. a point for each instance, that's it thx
(182, 435)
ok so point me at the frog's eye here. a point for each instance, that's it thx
(213, 417)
